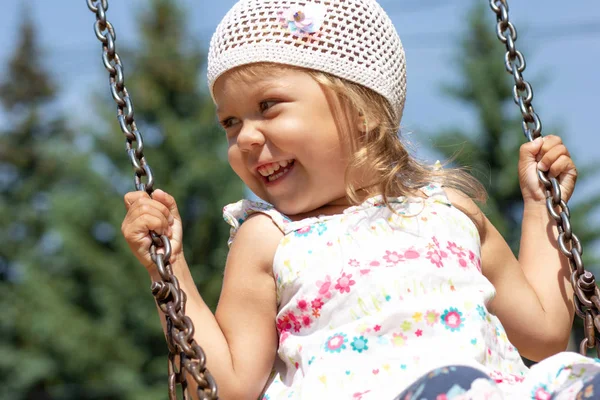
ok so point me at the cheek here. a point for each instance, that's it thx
(235, 161)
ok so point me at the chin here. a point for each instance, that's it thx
(288, 208)
(291, 207)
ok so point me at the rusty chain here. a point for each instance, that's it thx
(587, 294)
(169, 296)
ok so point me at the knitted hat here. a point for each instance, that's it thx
(351, 39)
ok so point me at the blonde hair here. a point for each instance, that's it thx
(379, 149)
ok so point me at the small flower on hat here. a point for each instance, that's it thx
(303, 20)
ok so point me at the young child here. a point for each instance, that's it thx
(365, 275)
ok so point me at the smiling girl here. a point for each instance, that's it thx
(363, 274)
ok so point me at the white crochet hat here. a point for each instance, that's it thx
(351, 39)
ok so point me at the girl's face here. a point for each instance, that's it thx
(284, 142)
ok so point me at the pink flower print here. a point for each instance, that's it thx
(475, 260)
(541, 393)
(287, 322)
(462, 262)
(432, 317)
(317, 303)
(304, 231)
(435, 241)
(436, 258)
(456, 250)
(411, 254)
(306, 320)
(398, 340)
(344, 283)
(419, 332)
(325, 287)
(302, 304)
(336, 343)
(364, 271)
(353, 263)
(283, 324)
(392, 257)
(452, 319)
(374, 263)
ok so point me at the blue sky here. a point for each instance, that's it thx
(561, 42)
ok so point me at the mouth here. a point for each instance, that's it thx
(276, 170)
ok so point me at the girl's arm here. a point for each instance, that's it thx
(240, 340)
(534, 298)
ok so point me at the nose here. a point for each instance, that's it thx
(250, 137)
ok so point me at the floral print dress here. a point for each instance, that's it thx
(370, 300)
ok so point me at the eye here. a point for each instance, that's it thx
(265, 105)
(228, 122)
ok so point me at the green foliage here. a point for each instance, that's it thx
(34, 86)
(78, 320)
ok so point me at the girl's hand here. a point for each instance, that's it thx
(547, 154)
(145, 214)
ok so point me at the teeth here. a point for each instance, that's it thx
(269, 169)
(277, 175)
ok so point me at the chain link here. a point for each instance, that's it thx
(587, 294)
(169, 296)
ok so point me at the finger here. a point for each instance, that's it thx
(132, 197)
(550, 141)
(563, 165)
(530, 150)
(140, 225)
(168, 201)
(550, 156)
(153, 208)
(148, 203)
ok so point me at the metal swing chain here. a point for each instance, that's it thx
(169, 296)
(587, 294)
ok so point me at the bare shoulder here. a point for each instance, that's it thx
(257, 239)
(465, 204)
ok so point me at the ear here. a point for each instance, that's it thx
(366, 123)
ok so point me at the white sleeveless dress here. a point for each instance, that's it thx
(369, 301)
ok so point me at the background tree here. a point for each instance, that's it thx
(78, 320)
(28, 172)
(492, 151)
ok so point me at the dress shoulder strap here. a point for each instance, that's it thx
(435, 192)
(236, 213)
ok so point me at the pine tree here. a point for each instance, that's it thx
(29, 169)
(492, 151)
(78, 320)
(25, 170)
